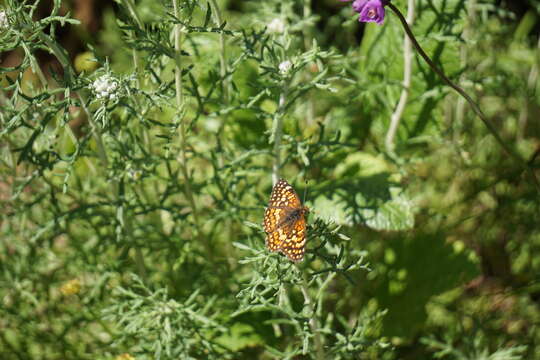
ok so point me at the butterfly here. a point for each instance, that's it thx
(285, 222)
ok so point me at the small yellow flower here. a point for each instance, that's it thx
(71, 287)
(125, 356)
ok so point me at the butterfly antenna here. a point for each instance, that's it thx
(305, 193)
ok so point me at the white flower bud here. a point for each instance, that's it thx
(105, 87)
(285, 67)
(276, 26)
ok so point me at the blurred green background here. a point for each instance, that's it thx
(443, 230)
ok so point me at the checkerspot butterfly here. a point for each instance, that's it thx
(285, 222)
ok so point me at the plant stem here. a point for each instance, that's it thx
(177, 59)
(308, 41)
(463, 56)
(95, 131)
(314, 320)
(531, 85)
(180, 106)
(491, 128)
(34, 65)
(133, 10)
(277, 132)
(407, 71)
(222, 51)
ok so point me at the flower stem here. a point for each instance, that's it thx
(491, 128)
(407, 71)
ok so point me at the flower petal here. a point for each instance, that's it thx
(358, 5)
(371, 11)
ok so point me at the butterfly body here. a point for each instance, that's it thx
(285, 222)
(292, 215)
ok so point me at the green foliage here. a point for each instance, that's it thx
(153, 323)
(132, 195)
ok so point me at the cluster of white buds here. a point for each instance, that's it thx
(4, 23)
(276, 26)
(285, 67)
(105, 87)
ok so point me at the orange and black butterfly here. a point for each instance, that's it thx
(285, 222)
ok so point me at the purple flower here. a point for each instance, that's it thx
(369, 10)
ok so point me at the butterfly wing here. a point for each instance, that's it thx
(283, 198)
(294, 244)
(285, 233)
(275, 239)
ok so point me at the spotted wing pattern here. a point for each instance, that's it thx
(285, 223)
(282, 200)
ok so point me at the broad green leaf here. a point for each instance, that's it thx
(395, 214)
